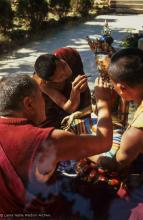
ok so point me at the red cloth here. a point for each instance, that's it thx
(72, 57)
(137, 212)
(21, 142)
(8, 174)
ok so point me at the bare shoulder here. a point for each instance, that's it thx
(133, 137)
(131, 146)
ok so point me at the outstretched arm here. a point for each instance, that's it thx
(67, 146)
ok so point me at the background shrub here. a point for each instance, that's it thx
(33, 11)
(84, 6)
(60, 8)
(131, 40)
(6, 16)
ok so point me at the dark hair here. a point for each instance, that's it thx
(13, 89)
(45, 65)
(127, 66)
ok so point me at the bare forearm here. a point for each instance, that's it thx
(104, 125)
(85, 111)
(124, 159)
(77, 147)
(69, 105)
(72, 104)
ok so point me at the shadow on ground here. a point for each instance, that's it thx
(72, 35)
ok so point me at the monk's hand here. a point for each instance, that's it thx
(80, 83)
(67, 121)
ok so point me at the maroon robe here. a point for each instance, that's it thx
(20, 143)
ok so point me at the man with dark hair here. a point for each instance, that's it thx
(127, 66)
(29, 154)
(62, 96)
(14, 91)
(126, 73)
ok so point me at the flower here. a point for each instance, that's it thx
(93, 172)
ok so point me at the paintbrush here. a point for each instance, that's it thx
(89, 76)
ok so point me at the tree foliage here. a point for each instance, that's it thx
(6, 15)
(60, 8)
(131, 40)
(34, 11)
(84, 6)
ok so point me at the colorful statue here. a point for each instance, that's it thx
(104, 43)
(103, 50)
